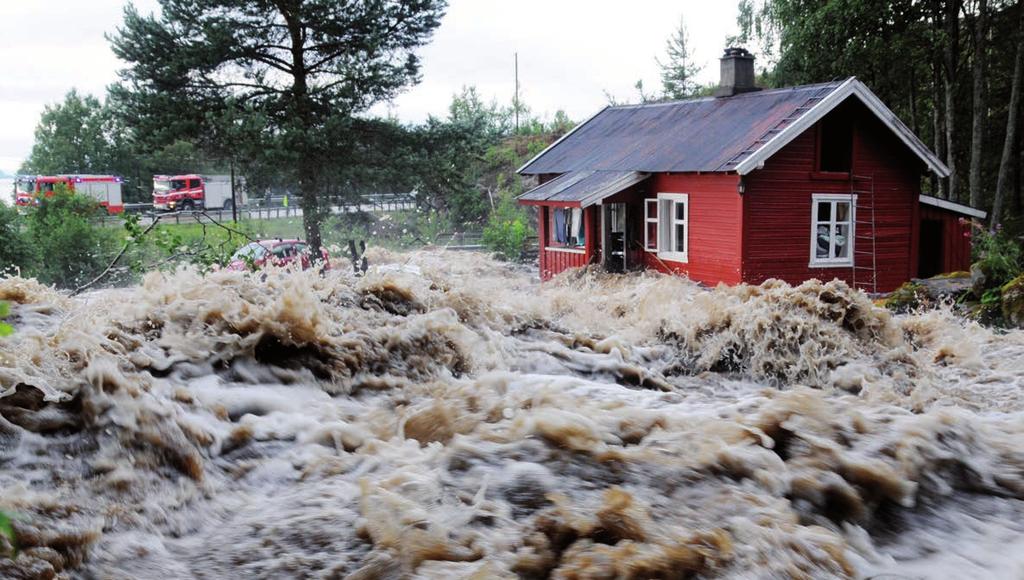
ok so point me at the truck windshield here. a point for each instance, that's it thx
(165, 185)
(25, 186)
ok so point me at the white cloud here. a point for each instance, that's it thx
(570, 53)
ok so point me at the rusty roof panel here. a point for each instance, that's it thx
(707, 134)
(584, 187)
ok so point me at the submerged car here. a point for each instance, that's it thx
(276, 252)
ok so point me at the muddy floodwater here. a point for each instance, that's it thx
(447, 416)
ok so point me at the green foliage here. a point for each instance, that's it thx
(74, 136)
(5, 330)
(7, 531)
(69, 248)
(459, 162)
(15, 250)
(506, 230)
(997, 254)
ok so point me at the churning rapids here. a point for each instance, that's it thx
(446, 416)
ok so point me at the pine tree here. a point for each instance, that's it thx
(679, 70)
(279, 82)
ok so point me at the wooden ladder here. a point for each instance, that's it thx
(865, 238)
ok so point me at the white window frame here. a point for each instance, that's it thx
(649, 219)
(667, 223)
(832, 199)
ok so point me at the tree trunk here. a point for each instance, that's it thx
(307, 168)
(913, 100)
(1019, 162)
(979, 107)
(951, 51)
(938, 129)
(1011, 121)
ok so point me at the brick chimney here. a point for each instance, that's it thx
(737, 74)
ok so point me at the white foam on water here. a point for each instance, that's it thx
(447, 415)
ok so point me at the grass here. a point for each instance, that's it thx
(394, 231)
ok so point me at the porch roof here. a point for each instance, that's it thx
(952, 206)
(583, 188)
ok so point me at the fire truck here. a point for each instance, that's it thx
(190, 192)
(106, 189)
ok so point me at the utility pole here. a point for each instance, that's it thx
(515, 100)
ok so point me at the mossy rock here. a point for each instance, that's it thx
(1013, 302)
(949, 275)
(907, 297)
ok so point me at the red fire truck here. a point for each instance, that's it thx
(189, 192)
(106, 189)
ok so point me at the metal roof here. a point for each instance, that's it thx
(952, 206)
(709, 134)
(583, 187)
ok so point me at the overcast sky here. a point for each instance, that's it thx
(570, 53)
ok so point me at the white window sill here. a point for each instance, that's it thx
(566, 250)
(844, 264)
(674, 256)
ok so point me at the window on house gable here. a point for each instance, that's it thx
(832, 230)
(565, 225)
(666, 226)
(835, 146)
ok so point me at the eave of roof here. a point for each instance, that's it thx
(952, 206)
(581, 188)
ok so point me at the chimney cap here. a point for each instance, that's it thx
(737, 51)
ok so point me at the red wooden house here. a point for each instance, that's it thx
(820, 181)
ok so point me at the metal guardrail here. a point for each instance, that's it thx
(259, 210)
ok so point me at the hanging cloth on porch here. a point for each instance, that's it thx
(576, 229)
(560, 230)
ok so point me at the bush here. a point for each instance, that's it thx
(5, 329)
(997, 255)
(506, 230)
(70, 248)
(16, 250)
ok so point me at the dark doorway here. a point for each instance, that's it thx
(929, 251)
(615, 243)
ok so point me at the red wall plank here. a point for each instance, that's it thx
(715, 226)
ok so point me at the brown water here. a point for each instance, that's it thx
(447, 416)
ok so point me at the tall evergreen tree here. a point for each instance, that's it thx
(678, 70)
(275, 81)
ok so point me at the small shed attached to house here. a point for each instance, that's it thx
(819, 181)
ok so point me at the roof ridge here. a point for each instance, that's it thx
(834, 84)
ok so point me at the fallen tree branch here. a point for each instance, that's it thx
(117, 258)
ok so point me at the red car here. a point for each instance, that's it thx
(277, 252)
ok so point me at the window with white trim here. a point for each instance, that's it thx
(667, 226)
(832, 229)
(651, 225)
(566, 228)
